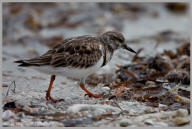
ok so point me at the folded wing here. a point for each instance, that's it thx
(78, 52)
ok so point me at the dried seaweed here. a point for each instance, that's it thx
(144, 81)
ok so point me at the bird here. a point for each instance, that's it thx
(77, 57)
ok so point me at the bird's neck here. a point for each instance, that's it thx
(107, 54)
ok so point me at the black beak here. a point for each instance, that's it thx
(128, 48)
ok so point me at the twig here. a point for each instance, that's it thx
(128, 72)
(9, 87)
(137, 53)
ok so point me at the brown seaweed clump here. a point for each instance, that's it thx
(151, 80)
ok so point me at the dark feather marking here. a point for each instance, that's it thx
(104, 58)
(74, 52)
(25, 64)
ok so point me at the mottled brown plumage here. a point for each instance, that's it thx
(78, 52)
(85, 54)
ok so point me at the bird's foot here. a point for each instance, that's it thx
(94, 95)
(48, 97)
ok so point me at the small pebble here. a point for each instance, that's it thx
(125, 122)
(51, 107)
(105, 90)
(162, 106)
(155, 123)
(181, 120)
(150, 121)
(150, 83)
(182, 113)
(8, 115)
(64, 82)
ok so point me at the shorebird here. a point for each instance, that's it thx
(77, 57)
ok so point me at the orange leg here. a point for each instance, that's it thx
(48, 94)
(88, 92)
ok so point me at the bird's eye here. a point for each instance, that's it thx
(120, 40)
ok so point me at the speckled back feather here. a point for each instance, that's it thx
(78, 52)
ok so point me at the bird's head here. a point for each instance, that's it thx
(115, 40)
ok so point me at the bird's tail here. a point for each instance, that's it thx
(25, 63)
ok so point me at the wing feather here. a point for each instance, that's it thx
(82, 52)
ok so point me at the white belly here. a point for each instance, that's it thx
(69, 71)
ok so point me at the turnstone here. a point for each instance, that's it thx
(77, 57)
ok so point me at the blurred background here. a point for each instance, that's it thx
(32, 24)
